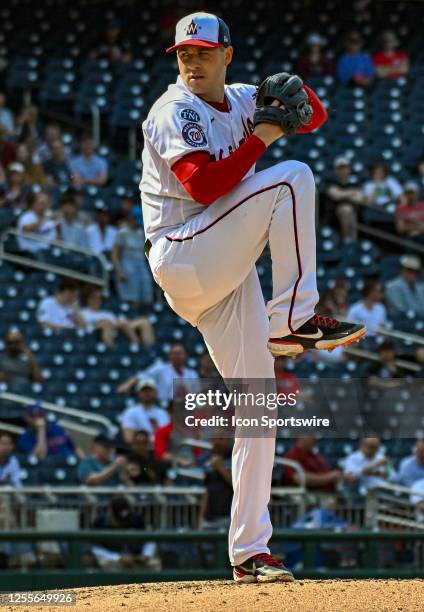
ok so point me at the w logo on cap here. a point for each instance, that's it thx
(191, 29)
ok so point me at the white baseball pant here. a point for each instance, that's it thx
(207, 270)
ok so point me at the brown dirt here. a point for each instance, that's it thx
(210, 596)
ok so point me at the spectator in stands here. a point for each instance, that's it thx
(17, 362)
(70, 228)
(370, 310)
(145, 414)
(287, 382)
(27, 125)
(113, 46)
(318, 474)
(127, 209)
(313, 62)
(7, 121)
(419, 175)
(121, 515)
(168, 441)
(34, 172)
(381, 189)
(39, 221)
(215, 507)
(7, 149)
(101, 468)
(56, 167)
(355, 67)
(10, 470)
(133, 276)
(385, 373)
(344, 196)
(390, 62)
(142, 467)
(52, 135)
(88, 168)
(138, 331)
(16, 194)
(101, 234)
(410, 212)
(61, 311)
(411, 468)
(207, 368)
(164, 374)
(406, 292)
(368, 467)
(44, 438)
(335, 301)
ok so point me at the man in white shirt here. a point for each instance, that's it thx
(368, 467)
(145, 414)
(61, 311)
(101, 234)
(164, 375)
(39, 221)
(370, 310)
(72, 231)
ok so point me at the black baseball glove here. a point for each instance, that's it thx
(288, 90)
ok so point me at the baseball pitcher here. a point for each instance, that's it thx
(207, 218)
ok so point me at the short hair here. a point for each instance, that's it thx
(86, 136)
(142, 432)
(67, 198)
(68, 284)
(6, 434)
(369, 285)
(380, 164)
(387, 345)
(33, 195)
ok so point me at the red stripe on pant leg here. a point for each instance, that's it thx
(296, 237)
(299, 261)
(171, 239)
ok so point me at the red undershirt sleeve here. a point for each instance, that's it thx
(207, 180)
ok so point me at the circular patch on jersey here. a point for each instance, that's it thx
(190, 115)
(194, 135)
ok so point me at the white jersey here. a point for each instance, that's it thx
(180, 123)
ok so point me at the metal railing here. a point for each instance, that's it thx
(402, 363)
(65, 411)
(26, 260)
(163, 507)
(389, 506)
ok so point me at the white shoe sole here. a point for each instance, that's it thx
(294, 349)
(250, 579)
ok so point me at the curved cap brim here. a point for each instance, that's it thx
(193, 43)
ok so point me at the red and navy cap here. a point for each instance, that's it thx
(201, 30)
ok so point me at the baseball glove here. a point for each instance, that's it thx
(295, 111)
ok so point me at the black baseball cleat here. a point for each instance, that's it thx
(262, 568)
(322, 333)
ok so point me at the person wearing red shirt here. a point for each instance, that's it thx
(287, 382)
(410, 215)
(318, 473)
(390, 62)
(313, 62)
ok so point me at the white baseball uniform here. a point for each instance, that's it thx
(204, 260)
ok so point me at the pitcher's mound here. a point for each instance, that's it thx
(210, 596)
